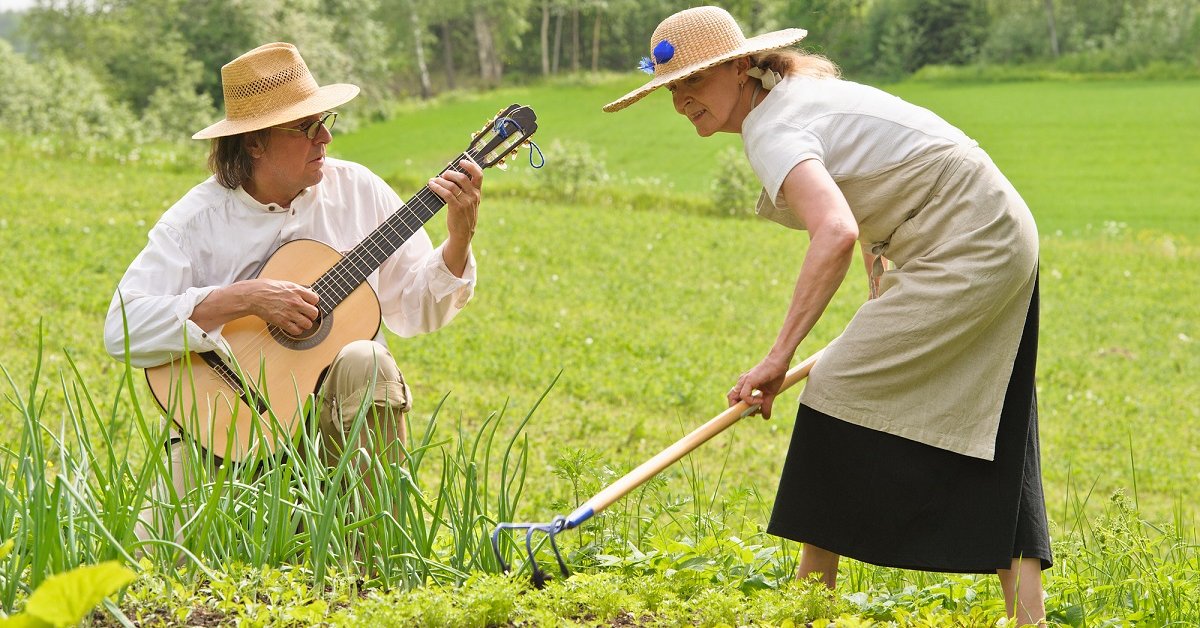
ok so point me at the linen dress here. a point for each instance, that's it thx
(916, 439)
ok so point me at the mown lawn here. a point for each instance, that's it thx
(650, 313)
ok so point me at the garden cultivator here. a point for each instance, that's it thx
(632, 480)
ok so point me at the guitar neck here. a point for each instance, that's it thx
(352, 270)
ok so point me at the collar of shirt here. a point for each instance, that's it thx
(249, 201)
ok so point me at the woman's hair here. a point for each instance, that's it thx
(229, 159)
(796, 63)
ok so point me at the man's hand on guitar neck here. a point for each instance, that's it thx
(462, 192)
(287, 305)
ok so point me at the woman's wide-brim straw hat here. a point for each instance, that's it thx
(269, 86)
(698, 39)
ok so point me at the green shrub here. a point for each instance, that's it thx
(1159, 31)
(571, 168)
(1017, 37)
(898, 42)
(33, 103)
(176, 112)
(982, 73)
(56, 97)
(735, 188)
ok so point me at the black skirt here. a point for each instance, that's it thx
(894, 502)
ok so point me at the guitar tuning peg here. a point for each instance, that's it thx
(501, 165)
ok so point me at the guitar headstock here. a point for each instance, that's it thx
(502, 136)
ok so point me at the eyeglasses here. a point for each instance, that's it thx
(311, 129)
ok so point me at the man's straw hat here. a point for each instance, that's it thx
(271, 85)
(695, 40)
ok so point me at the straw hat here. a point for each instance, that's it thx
(698, 39)
(271, 85)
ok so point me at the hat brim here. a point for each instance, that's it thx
(324, 99)
(753, 45)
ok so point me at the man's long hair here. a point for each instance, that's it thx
(230, 160)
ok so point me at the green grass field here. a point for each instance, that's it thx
(1108, 168)
(649, 314)
(1081, 153)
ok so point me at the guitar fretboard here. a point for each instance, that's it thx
(339, 281)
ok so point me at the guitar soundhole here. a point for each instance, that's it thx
(309, 338)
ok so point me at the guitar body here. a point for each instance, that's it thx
(277, 372)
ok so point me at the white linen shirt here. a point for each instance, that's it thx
(215, 236)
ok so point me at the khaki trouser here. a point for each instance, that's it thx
(362, 367)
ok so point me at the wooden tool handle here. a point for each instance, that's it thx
(679, 449)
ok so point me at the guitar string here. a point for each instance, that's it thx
(343, 279)
(346, 282)
(261, 343)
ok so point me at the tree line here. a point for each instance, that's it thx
(158, 60)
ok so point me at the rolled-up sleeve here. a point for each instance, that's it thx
(154, 301)
(418, 293)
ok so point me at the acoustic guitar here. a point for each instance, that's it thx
(249, 401)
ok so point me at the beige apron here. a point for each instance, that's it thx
(929, 359)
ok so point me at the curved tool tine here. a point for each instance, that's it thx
(551, 529)
(504, 567)
(496, 548)
(539, 576)
(554, 528)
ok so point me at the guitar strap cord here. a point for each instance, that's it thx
(502, 131)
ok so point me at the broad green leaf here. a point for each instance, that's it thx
(66, 598)
(1074, 615)
(23, 620)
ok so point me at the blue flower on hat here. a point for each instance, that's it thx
(663, 53)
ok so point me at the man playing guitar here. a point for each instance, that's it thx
(273, 184)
